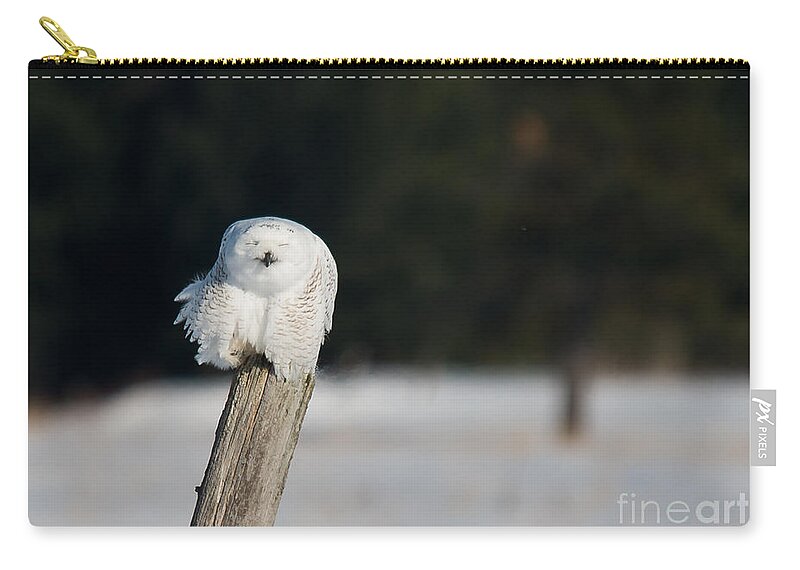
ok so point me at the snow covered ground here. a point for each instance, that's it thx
(405, 448)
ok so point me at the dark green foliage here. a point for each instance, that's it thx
(473, 222)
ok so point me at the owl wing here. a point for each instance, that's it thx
(300, 320)
(209, 318)
(330, 284)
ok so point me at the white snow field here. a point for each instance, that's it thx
(406, 448)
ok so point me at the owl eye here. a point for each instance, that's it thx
(267, 259)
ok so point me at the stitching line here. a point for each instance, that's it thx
(393, 77)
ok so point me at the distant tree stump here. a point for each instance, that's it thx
(577, 371)
(573, 403)
(253, 447)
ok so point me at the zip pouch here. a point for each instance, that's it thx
(388, 292)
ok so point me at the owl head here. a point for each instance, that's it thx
(268, 256)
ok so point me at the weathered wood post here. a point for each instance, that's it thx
(253, 446)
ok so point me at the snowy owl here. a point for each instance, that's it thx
(271, 292)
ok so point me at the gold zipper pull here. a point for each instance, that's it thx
(72, 53)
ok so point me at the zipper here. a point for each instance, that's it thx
(80, 56)
(72, 53)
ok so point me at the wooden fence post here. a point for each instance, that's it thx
(253, 446)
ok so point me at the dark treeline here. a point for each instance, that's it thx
(473, 222)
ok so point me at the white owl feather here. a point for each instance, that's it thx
(271, 291)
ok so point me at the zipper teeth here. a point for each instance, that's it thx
(440, 63)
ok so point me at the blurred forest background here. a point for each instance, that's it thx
(511, 223)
